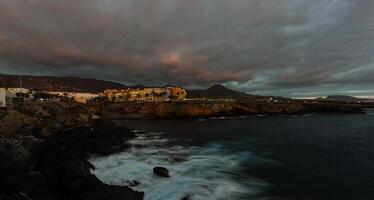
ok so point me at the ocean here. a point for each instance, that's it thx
(310, 157)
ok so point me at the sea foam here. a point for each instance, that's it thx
(201, 172)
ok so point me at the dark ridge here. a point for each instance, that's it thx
(341, 98)
(139, 86)
(62, 84)
(219, 91)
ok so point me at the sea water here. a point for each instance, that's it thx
(291, 157)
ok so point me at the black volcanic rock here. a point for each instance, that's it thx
(56, 168)
(187, 197)
(64, 165)
(161, 171)
(102, 138)
(133, 183)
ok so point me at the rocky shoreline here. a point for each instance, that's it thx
(41, 159)
(57, 167)
(44, 147)
(198, 109)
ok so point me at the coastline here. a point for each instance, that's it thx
(202, 109)
(46, 145)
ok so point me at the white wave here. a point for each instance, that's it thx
(146, 139)
(369, 111)
(138, 131)
(221, 118)
(204, 173)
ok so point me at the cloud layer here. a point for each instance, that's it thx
(284, 47)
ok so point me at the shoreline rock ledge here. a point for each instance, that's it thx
(56, 168)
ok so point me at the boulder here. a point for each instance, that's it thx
(187, 197)
(161, 171)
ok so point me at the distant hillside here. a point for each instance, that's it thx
(72, 84)
(341, 98)
(219, 91)
(65, 84)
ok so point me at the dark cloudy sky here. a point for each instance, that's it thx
(282, 47)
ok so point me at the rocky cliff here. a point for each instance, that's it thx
(195, 109)
(42, 118)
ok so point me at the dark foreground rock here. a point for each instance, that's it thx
(187, 197)
(161, 171)
(133, 183)
(57, 168)
(42, 119)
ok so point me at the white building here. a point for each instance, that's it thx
(77, 96)
(25, 93)
(19, 90)
(6, 97)
(82, 97)
(2, 97)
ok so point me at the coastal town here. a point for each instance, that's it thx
(146, 94)
(169, 93)
(11, 95)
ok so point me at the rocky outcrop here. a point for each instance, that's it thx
(56, 168)
(194, 109)
(161, 171)
(187, 197)
(43, 118)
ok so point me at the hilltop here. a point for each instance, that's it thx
(59, 84)
(341, 98)
(218, 91)
(346, 98)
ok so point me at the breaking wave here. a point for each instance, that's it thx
(206, 172)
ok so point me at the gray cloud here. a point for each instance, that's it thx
(283, 47)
